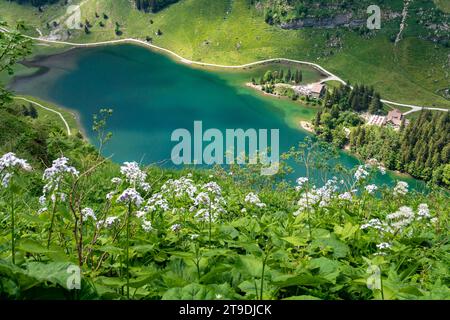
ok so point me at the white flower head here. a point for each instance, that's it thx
(116, 180)
(301, 182)
(401, 188)
(361, 173)
(347, 196)
(10, 160)
(134, 175)
(88, 213)
(147, 225)
(371, 188)
(157, 202)
(384, 245)
(130, 195)
(8, 163)
(254, 200)
(423, 211)
(108, 222)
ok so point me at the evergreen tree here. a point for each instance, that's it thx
(288, 78)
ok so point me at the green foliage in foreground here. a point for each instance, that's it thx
(193, 234)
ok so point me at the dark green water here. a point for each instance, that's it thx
(152, 96)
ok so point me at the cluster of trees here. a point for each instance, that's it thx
(333, 125)
(339, 112)
(153, 5)
(30, 111)
(273, 77)
(359, 99)
(421, 149)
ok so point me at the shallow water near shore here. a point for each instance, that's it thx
(152, 96)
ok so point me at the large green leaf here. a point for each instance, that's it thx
(32, 246)
(296, 241)
(298, 280)
(195, 291)
(328, 269)
(53, 272)
(250, 265)
(339, 248)
(302, 298)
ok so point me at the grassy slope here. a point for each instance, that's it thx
(400, 73)
(48, 116)
(444, 5)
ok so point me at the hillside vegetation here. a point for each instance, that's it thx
(77, 226)
(414, 71)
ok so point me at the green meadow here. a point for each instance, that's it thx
(234, 32)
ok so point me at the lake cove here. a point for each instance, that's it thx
(153, 95)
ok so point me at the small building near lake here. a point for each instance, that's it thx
(318, 90)
(395, 118)
(313, 90)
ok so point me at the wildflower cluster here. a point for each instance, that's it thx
(317, 197)
(209, 203)
(395, 224)
(8, 163)
(401, 188)
(254, 200)
(134, 175)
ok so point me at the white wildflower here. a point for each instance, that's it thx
(213, 188)
(371, 188)
(254, 199)
(179, 188)
(157, 201)
(116, 180)
(384, 245)
(88, 213)
(361, 173)
(130, 195)
(145, 186)
(140, 214)
(42, 210)
(202, 199)
(423, 211)
(176, 228)
(42, 200)
(301, 182)
(401, 188)
(346, 196)
(147, 225)
(401, 218)
(5, 179)
(109, 222)
(9, 162)
(133, 174)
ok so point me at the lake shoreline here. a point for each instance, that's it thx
(301, 125)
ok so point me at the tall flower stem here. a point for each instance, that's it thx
(51, 225)
(262, 275)
(210, 223)
(127, 251)
(13, 230)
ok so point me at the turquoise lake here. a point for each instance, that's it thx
(152, 96)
